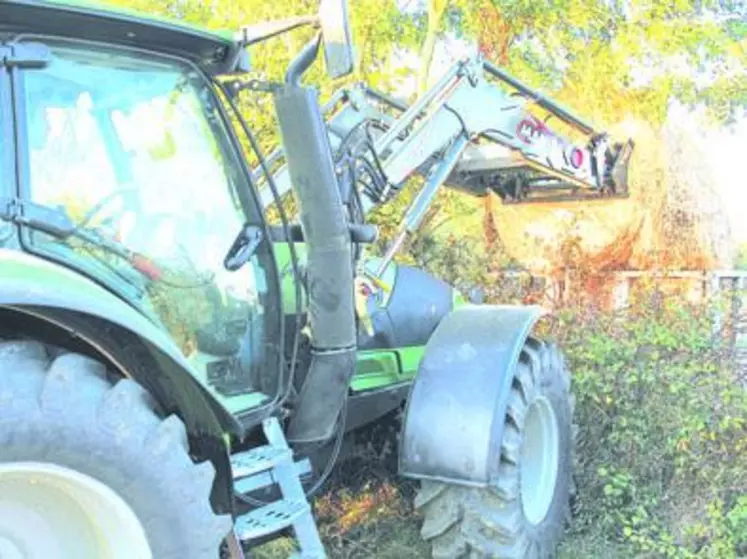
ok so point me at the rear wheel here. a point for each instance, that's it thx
(523, 514)
(88, 469)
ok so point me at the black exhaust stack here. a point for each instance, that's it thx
(330, 268)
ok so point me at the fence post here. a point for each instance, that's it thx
(621, 291)
(715, 288)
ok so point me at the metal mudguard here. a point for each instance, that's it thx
(457, 406)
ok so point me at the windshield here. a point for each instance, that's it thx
(134, 149)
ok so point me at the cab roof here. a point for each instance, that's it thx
(215, 52)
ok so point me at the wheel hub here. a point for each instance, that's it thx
(539, 460)
(53, 512)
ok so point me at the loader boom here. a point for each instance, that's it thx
(477, 130)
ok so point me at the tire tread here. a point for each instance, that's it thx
(468, 522)
(63, 410)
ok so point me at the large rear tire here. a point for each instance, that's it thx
(88, 468)
(522, 515)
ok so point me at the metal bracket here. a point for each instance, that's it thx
(235, 87)
(49, 220)
(471, 70)
(10, 209)
(25, 55)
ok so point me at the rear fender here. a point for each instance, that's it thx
(130, 342)
(457, 406)
(56, 294)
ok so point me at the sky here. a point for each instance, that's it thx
(726, 153)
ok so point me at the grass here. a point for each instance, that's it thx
(593, 547)
(377, 521)
(366, 510)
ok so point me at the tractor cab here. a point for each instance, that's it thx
(130, 176)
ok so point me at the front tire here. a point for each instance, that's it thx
(96, 469)
(522, 515)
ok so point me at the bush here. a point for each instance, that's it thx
(662, 460)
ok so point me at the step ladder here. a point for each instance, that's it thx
(265, 466)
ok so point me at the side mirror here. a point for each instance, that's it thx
(337, 37)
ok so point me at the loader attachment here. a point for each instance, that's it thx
(515, 147)
(547, 166)
(520, 176)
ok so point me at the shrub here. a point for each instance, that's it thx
(662, 459)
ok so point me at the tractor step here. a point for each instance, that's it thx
(259, 480)
(256, 460)
(273, 464)
(270, 519)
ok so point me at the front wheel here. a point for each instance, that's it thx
(524, 513)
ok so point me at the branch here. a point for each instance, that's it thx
(436, 10)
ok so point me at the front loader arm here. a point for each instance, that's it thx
(477, 130)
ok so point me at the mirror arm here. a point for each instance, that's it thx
(303, 61)
(251, 34)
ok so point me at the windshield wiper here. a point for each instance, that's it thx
(57, 223)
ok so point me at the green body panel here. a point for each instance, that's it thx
(35, 284)
(287, 278)
(44, 283)
(459, 299)
(382, 368)
(410, 358)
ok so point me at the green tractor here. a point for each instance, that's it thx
(178, 374)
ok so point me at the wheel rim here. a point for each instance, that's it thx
(539, 460)
(54, 512)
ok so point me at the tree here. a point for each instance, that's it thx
(435, 11)
(617, 58)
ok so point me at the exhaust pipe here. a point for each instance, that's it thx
(329, 270)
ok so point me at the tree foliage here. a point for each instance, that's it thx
(612, 59)
(662, 456)
(605, 58)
